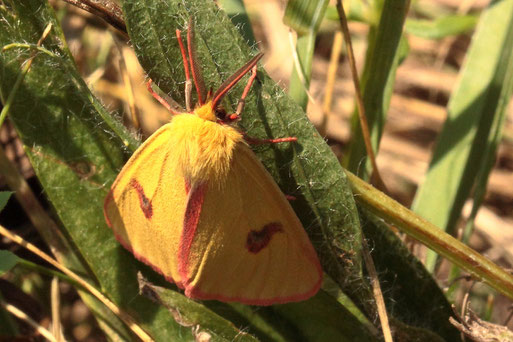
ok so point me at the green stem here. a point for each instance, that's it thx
(433, 237)
(47, 271)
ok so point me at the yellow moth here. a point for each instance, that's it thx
(195, 204)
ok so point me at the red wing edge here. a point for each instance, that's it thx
(127, 246)
(196, 197)
(191, 220)
(195, 293)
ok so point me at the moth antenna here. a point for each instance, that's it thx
(159, 98)
(188, 83)
(196, 73)
(233, 79)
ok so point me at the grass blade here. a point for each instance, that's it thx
(377, 80)
(304, 17)
(464, 142)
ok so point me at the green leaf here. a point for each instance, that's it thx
(319, 318)
(300, 80)
(4, 197)
(303, 16)
(191, 314)
(422, 305)
(489, 158)
(322, 319)
(475, 108)
(439, 28)
(307, 170)
(36, 110)
(377, 81)
(7, 261)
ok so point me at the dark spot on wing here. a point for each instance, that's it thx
(259, 239)
(144, 202)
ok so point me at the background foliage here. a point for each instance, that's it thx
(76, 147)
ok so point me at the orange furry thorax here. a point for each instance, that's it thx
(203, 147)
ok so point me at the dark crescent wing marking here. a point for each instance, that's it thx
(144, 202)
(259, 239)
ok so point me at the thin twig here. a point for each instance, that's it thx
(375, 177)
(32, 208)
(55, 305)
(125, 317)
(378, 294)
(108, 10)
(127, 82)
(299, 68)
(464, 303)
(330, 81)
(510, 315)
(25, 318)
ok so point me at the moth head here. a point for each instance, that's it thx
(206, 112)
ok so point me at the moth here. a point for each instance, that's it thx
(195, 204)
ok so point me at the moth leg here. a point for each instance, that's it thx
(159, 98)
(242, 100)
(240, 108)
(188, 81)
(256, 141)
